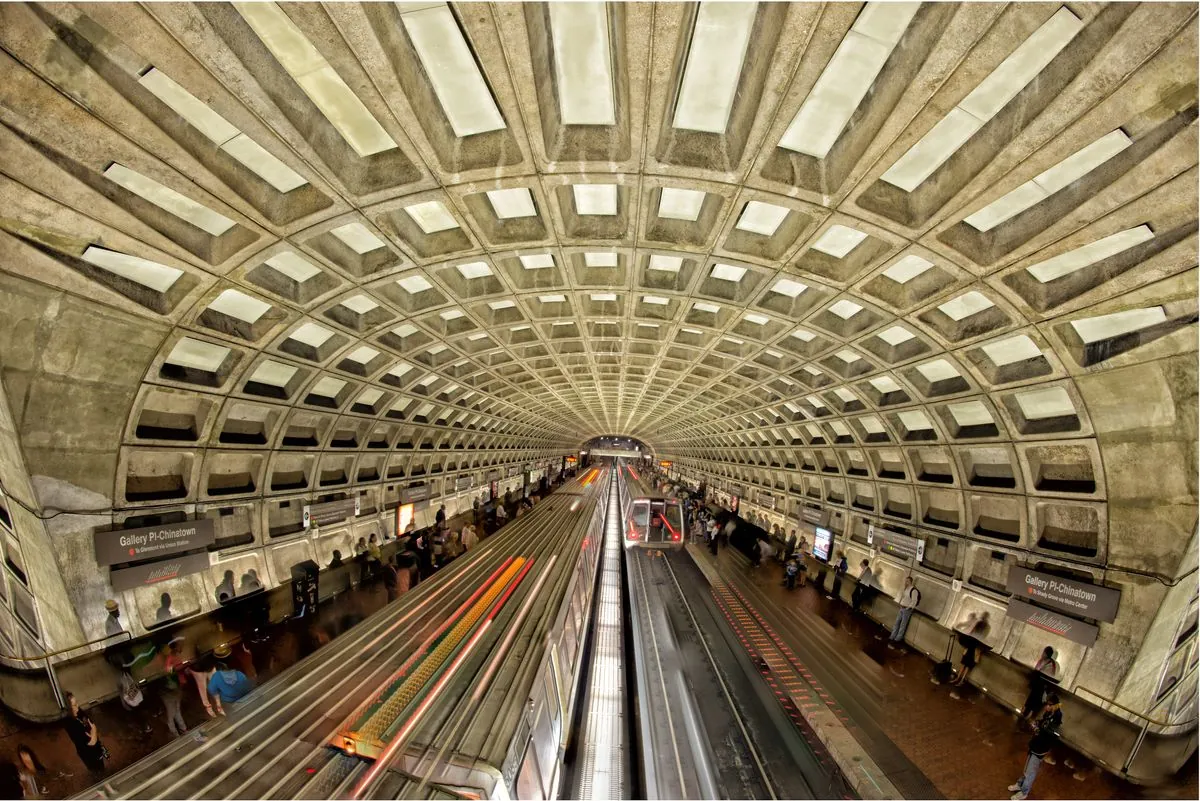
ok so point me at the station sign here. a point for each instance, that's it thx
(153, 542)
(1074, 630)
(665, 464)
(513, 470)
(324, 514)
(418, 492)
(493, 475)
(1065, 595)
(463, 483)
(895, 544)
(811, 515)
(766, 500)
(130, 578)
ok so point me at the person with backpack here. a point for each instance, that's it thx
(1046, 728)
(909, 598)
(790, 571)
(864, 586)
(1045, 675)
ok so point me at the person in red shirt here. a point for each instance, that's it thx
(172, 694)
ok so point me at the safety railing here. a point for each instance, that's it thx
(124, 636)
(1143, 730)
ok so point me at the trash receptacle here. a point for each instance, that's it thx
(305, 588)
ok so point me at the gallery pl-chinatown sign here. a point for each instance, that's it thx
(1065, 595)
(153, 542)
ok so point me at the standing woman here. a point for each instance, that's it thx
(85, 736)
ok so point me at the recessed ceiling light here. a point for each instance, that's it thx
(311, 334)
(293, 265)
(604, 297)
(450, 66)
(474, 269)
(369, 397)
(582, 63)
(788, 287)
(966, 305)
(1079, 258)
(680, 204)
(404, 331)
(655, 300)
(500, 305)
(984, 102)
(1042, 186)
(666, 264)
(240, 306)
(762, 218)
(512, 203)
(1045, 403)
(169, 200)
(1014, 349)
(839, 240)
(552, 298)
(804, 335)
(360, 304)
(197, 355)
(274, 374)
(847, 78)
(1109, 326)
(848, 356)
(971, 413)
(478, 335)
(595, 199)
(708, 308)
(727, 272)
(756, 319)
(451, 314)
(872, 425)
(149, 274)
(907, 268)
(600, 259)
(435, 349)
(720, 37)
(414, 284)
(938, 370)
(845, 309)
(537, 261)
(358, 238)
(363, 355)
(896, 335)
(431, 216)
(317, 78)
(884, 383)
(915, 420)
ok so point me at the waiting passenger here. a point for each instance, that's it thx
(1045, 673)
(789, 571)
(112, 621)
(909, 598)
(1049, 720)
(971, 638)
(839, 572)
(501, 515)
(374, 553)
(469, 538)
(863, 588)
(228, 684)
(440, 517)
(390, 579)
(31, 772)
(337, 559)
(85, 736)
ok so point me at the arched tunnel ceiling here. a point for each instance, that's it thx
(932, 242)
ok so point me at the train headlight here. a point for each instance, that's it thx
(350, 747)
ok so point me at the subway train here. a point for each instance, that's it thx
(652, 520)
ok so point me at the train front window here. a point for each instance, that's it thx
(674, 523)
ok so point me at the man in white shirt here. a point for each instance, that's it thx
(112, 623)
(909, 597)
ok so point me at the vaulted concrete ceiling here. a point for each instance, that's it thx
(951, 246)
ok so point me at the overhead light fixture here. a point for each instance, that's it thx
(474, 269)
(595, 199)
(1042, 186)
(360, 304)
(1045, 403)
(966, 305)
(938, 370)
(239, 306)
(884, 384)
(197, 355)
(317, 78)
(220, 131)
(604, 297)
(169, 200)
(804, 335)
(839, 240)
(915, 420)
(600, 259)
(971, 413)
(431, 217)
(896, 335)
(501, 305)
(405, 330)
(1014, 349)
(845, 309)
(847, 78)
(1110, 326)
(451, 314)
(311, 334)
(654, 300)
(984, 102)
(680, 204)
(369, 397)
(582, 63)
(512, 203)
(908, 268)
(1079, 258)
(762, 218)
(757, 319)
(414, 284)
(273, 374)
(358, 238)
(537, 261)
(362, 355)
(708, 308)
(293, 265)
(711, 75)
(150, 274)
(728, 272)
(451, 67)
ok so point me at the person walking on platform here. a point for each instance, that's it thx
(1046, 728)
(440, 518)
(909, 598)
(227, 683)
(469, 538)
(172, 694)
(864, 586)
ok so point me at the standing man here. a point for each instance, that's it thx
(909, 597)
(839, 571)
(112, 622)
(864, 583)
(1045, 672)
(440, 518)
(1045, 733)
(172, 694)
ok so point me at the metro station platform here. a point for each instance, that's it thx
(927, 744)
